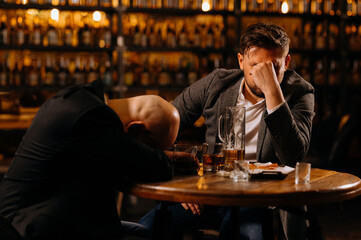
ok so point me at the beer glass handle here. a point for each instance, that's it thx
(219, 129)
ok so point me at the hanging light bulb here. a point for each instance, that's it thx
(206, 6)
(97, 16)
(284, 7)
(54, 14)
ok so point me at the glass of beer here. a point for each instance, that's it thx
(231, 131)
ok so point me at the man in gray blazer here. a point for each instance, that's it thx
(279, 112)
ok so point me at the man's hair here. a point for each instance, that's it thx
(264, 35)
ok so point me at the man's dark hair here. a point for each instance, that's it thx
(264, 35)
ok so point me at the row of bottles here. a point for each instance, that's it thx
(146, 31)
(205, 5)
(52, 70)
(39, 28)
(321, 71)
(168, 69)
(291, 6)
(78, 3)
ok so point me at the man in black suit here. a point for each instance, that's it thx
(76, 154)
(279, 111)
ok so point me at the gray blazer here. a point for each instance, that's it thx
(284, 135)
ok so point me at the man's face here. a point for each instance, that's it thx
(256, 55)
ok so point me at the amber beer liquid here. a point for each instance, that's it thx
(230, 155)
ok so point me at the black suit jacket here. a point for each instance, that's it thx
(74, 156)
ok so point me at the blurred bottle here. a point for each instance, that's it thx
(129, 69)
(210, 37)
(107, 75)
(307, 35)
(183, 36)
(49, 72)
(320, 36)
(52, 35)
(68, 32)
(86, 35)
(22, 31)
(92, 73)
(17, 80)
(79, 74)
(136, 36)
(197, 37)
(36, 35)
(3, 74)
(171, 35)
(4, 32)
(33, 77)
(106, 35)
(319, 73)
(181, 73)
(192, 72)
(351, 8)
(144, 37)
(145, 76)
(334, 73)
(333, 36)
(74, 2)
(355, 72)
(164, 76)
(63, 73)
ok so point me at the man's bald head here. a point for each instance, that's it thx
(149, 118)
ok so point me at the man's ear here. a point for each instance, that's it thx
(287, 61)
(240, 60)
(136, 126)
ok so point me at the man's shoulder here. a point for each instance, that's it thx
(293, 80)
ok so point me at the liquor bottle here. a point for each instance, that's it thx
(307, 35)
(13, 36)
(4, 32)
(92, 74)
(107, 34)
(36, 33)
(129, 78)
(17, 80)
(197, 37)
(333, 36)
(319, 73)
(192, 73)
(86, 35)
(91, 3)
(49, 72)
(136, 36)
(144, 38)
(351, 8)
(33, 77)
(21, 32)
(358, 7)
(164, 76)
(52, 35)
(63, 73)
(181, 74)
(107, 75)
(68, 32)
(210, 37)
(320, 37)
(355, 72)
(182, 37)
(334, 73)
(329, 7)
(105, 3)
(296, 37)
(203, 67)
(154, 71)
(153, 38)
(3, 74)
(78, 75)
(145, 76)
(171, 36)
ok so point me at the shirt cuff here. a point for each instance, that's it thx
(274, 109)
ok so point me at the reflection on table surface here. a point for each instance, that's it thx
(325, 186)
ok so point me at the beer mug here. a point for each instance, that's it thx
(231, 131)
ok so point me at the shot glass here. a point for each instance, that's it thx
(240, 171)
(215, 161)
(302, 173)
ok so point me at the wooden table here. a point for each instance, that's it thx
(324, 187)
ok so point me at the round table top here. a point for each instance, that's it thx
(325, 186)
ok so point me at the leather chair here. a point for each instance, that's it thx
(7, 231)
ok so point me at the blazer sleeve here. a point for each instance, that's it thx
(99, 141)
(290, 127)
(190, 103)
